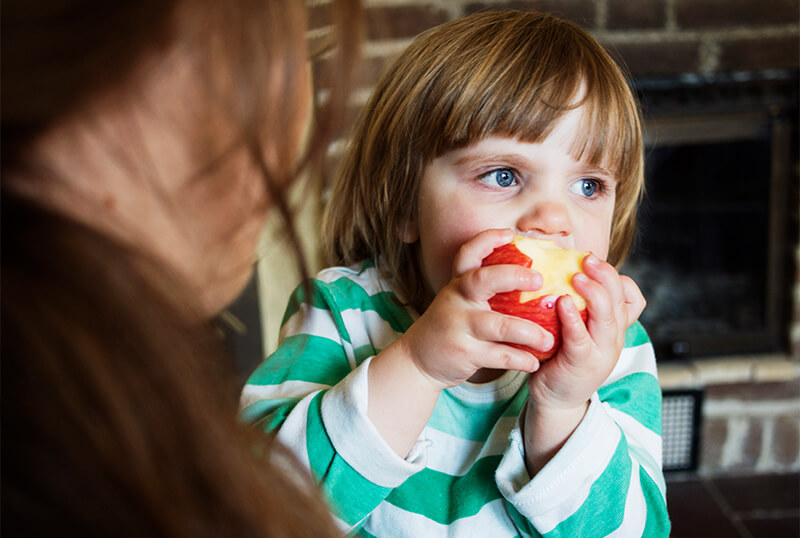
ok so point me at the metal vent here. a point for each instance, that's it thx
(681, 426)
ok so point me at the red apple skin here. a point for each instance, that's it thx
(541, 310)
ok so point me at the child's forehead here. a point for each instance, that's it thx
(574, 130)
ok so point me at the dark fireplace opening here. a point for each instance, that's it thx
(715, 244)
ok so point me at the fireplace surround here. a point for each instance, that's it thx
(716, 240)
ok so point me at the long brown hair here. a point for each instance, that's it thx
(504, 73)
(118, 408)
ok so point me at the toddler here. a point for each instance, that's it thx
(395, 382)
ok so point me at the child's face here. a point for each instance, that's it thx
(538, 189)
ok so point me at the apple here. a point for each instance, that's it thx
(557, 266)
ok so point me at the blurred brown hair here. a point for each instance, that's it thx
(502, 73)
(118, 408)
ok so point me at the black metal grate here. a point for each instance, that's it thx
(681, 426)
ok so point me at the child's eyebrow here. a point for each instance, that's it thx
(599, 171)
(512, 159)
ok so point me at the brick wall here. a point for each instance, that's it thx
(652, 37)
(751, 428)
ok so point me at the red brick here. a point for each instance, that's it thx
(786, 444)
(720, 13)
(752, 444)
(397, 22)
(759, 54)
(779, 390)
(711, 442)
(624, 14)
(653, 59)
(582, 12)
(367, 72)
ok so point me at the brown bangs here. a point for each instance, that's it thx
(521, 74)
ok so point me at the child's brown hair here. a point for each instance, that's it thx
(504, 73)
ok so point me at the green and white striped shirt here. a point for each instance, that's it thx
(466, 474)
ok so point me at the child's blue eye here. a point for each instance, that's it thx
(587, 187)
(502, 177)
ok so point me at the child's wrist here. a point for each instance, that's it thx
(399, 365)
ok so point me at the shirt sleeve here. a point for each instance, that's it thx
(607, 479)
(313, 392)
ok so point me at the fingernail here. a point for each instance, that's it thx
(548, 341)
(580, 277)
(568, 307)
(591, 259)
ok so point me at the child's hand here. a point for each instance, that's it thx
(459, 334)
(561, 389)
(588, 352)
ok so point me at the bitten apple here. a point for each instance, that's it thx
(557, 266)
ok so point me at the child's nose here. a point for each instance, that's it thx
(546, 218)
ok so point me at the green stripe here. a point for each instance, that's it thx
(364, 352)
(303, 358)
(636, 335)
(316, 298)
(447, 498)
(361, 533)
(638, 395)
(470, 420)
(259, 410)
(367, 264)
(388, 307)
(595, 517)
(351, 496)
(657, 524)
(347, 294)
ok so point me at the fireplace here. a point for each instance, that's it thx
(714, 251)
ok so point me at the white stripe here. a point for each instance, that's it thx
(293, 431)
(635, 515)
(365, 325)
(312, 321)
(367, 280)
(636, 433)
(455, 456)
(632, 360)
(288, 389)
(491, 521)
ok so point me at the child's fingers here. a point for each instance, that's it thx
(510, 358)
(574, 334)
(603, 309)
(607, 276)
(495, 327)
(472, 253)
(483, 283)
(634, 300)
(602, 289)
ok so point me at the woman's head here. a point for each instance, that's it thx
(508, 74)
(143, 141)
(170, 124)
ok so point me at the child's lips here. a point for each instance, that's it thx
(559, 239)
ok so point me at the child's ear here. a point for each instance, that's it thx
(408, 232)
